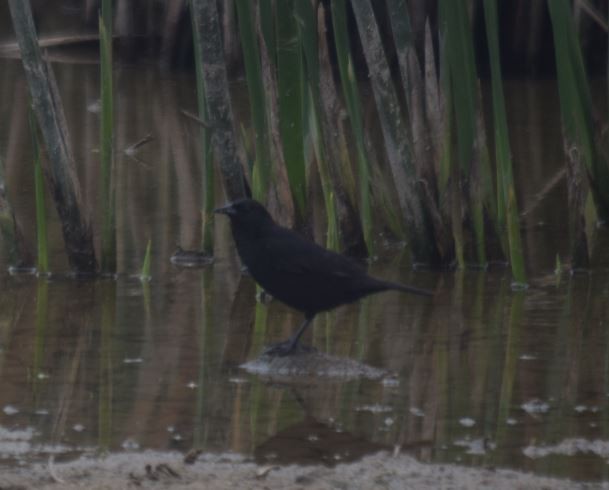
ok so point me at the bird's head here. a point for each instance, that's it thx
(246, 213)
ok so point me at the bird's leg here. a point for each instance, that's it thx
(293, 340)
(288, 346)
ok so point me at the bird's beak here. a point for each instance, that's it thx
(228, 209)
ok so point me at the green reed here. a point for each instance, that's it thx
(41, 216)
(509, 217)
(261, 169)
(208, 187)
(306, 21)
(469, 172)
(108, 235)
(145, 274)
(353, 101)
(586, 167)
(435, 163)
(291, 99)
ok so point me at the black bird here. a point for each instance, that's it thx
(296, 271)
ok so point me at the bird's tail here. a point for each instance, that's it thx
(407, 289)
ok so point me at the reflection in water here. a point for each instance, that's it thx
(481, 374)
(311, 442)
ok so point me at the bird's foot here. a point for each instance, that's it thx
(286, 348)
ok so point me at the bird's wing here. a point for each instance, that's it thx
(292, 254)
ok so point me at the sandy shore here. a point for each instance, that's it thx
(220, 472)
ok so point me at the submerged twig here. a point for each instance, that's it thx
(541, 195)
(144, 164)
(131, 149)
(12, 48)
(594, 13)
(52, 472)
(197, 119)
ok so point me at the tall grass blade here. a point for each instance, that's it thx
(261, 171)
(576, 102)
(353, 103)
(412, 83)
(333, 235)
(280, 195)
(395, 137)
(267, 27)
(577, 195)
(108, 235)
(434, 101)
(290, 85)
(423, 115)
(306, 21)
(207, 214)
(502, 146)
(402, 32)
(460, 58)
(145, 275)
(10, 232)
(334, 134)
(41, 217)
(463, 82)
(107, 16)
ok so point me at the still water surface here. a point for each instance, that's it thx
(480, 374)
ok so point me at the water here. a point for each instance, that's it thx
(480, 374)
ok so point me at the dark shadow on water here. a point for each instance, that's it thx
(312, 442)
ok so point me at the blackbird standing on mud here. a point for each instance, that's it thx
(298, 272)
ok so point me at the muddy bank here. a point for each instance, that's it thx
(220, 472)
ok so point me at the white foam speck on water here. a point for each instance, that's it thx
(130, 445)
(16, 434)
(133, 360)
(569, 447)
(535, 406)
(375, 408)
(586, 408)
(10, 410)
(391, 382)
(476, 447)
(417, 412)
(18, 443)
(528, 357)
